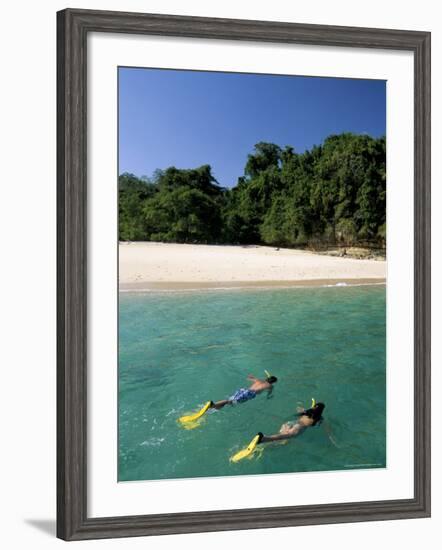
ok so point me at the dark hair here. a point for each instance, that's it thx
(315, 413)
(272, 379)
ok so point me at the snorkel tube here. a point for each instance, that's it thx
(271, 379)
(306, 410)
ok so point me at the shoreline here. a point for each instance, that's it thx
(162, 286)
(162, 266)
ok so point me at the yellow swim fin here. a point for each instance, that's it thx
(192, 417)
(244, 453)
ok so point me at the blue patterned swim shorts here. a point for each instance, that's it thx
(242, 395)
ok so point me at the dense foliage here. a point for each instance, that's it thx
(332, 194)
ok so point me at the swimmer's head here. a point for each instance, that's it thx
(271, 379)
(315, 413)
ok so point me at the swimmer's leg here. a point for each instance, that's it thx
(276, 437)
(220, 404)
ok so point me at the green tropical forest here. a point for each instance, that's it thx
(331, 195)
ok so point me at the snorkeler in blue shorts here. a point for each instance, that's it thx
(246, 394)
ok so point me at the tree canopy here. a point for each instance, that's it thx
(333, 194)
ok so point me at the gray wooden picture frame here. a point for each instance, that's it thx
(73, 27)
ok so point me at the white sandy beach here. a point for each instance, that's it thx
(146, 265)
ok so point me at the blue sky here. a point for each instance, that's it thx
(189, 118)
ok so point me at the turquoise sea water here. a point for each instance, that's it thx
(179, 349)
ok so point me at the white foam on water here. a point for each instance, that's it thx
(152, 442)
(243, 288)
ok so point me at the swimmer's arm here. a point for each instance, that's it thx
(254, 379)
(328, 430)
(269, 392)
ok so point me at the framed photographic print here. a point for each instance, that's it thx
(243, 274)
